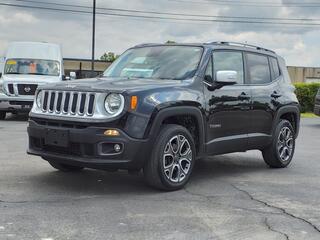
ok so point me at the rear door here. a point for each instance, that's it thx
(227, 107)
(263, 74)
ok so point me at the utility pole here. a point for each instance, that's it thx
(93, 35)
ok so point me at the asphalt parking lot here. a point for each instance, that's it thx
(232, 196)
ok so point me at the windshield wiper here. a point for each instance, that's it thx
(13, 73)
(36, 74)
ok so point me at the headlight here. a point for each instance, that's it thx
(114, 104)
(39, 99)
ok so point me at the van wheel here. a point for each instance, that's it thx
(172, 159)
(64, 167)
(279, 154)
(2, 115)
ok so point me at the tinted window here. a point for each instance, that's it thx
(258, 69)
(229, 61)
(157, 62)
(209, 69)
(275, 71)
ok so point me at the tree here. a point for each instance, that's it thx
(108, 57)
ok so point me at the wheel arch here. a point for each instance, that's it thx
(290, 113)
(176, 115)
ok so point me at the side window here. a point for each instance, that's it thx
(275, 71)
(208, 75)
(229, 61)
(258, 69)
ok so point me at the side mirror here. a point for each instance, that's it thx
(226, 77)
(0, 74)
(73, 75)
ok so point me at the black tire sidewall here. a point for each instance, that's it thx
(170, 132)
(281, 125)
(2, 115)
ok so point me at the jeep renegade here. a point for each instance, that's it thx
(159, 107)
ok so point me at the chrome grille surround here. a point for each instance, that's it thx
(71, 105)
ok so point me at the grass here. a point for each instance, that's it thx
(308, 115)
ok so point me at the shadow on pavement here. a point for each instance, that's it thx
(93, 182)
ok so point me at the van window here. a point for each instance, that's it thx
(275, 71)
(258, 68)
(229, 61)
(32, 67)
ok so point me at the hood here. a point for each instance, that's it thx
(20, 78)
(116, 84)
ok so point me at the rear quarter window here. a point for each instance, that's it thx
(258, 68)
(275, 70)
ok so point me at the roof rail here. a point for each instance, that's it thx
(145, 44)
(243, 45)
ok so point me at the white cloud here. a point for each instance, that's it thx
(73, 31)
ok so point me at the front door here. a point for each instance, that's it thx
(227, 107)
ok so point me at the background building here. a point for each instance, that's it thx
(304, 74)
(82, 67)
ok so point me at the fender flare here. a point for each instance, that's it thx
(162, 114)
(288, 109)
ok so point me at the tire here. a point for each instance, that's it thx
(2, 115)
(279, 154)
(172, 159)
(64, 167)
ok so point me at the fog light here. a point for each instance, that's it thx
(111, 132)
(117, 147)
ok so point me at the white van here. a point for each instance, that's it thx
(27, 65)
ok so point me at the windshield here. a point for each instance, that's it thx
(159, 62)
(32, 66)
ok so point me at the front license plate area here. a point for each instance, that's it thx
(56, 137)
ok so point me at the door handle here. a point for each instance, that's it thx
(243, 96)
(275, 95)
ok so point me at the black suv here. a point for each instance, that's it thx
(159, 107)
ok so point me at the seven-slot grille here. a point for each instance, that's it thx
(67, 102)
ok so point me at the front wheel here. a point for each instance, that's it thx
(2, 115)
(172, 159)
(279, 154)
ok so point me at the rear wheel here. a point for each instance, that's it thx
(172, 159)
(64, 167)
(279, 154)
(2, 115)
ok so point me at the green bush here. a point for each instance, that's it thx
(306, 93)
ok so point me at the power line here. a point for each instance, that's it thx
(250, 4)
(167, 18)
(264, 2)
(171, 13)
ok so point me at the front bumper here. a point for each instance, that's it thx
(317, 109)
(88, 147)
(15, 103)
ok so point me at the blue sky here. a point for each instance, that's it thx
(299, 46)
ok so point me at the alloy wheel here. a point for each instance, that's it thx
(177, 159)
(285, 144)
